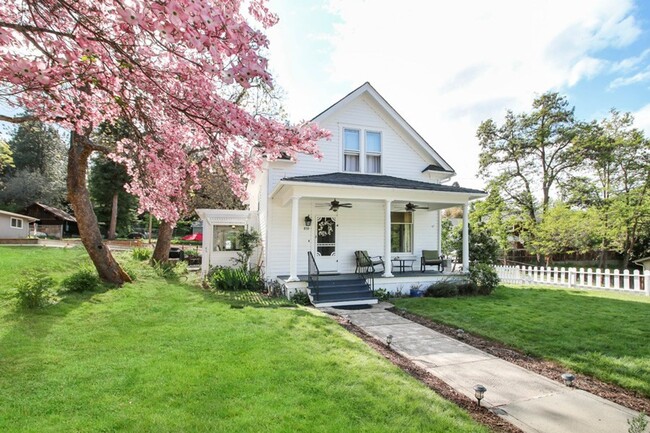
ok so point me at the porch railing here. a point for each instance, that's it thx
(312, 274)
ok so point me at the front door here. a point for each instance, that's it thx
(325, 244)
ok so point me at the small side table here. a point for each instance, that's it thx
(402, 263)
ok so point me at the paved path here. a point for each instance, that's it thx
(532, 402)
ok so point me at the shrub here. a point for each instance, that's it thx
(169, 269)
(467, 288)
(141, 254)
(231, 279)
(442, 289)
(300, 298)
(35, 291)
(484, 277)
(382, 294)
(83, 280)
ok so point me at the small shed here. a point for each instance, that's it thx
(54, 222)
(14, 225)
(645, 262)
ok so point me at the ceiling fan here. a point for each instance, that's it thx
(335, 205)
(410, 207)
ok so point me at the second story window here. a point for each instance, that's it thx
(351, 150)
(373, 152)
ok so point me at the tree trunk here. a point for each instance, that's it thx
(161, 252)
(107, 268)
(112, 228)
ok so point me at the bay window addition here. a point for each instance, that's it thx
(226, 238)
(351, 150)
(373, 152)
(401, 232)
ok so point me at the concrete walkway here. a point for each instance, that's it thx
(532, 402)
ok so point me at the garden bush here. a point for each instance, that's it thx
(170, 269)
(484, 277)
(35, 291)
(442, 289)
(231, 279)
(382, 294)
(300, 298)
(141, 254)
(84, 280)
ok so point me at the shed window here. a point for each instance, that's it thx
(226, 238)
(16, 223)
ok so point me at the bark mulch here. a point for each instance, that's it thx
(480, 414)
(549, 369)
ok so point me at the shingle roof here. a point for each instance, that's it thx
(57, 212)
(379, 181)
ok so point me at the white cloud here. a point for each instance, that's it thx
(642, 119)
(446, 66)
(630, 63)
(626, 81)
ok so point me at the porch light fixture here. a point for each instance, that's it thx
(307, 221)
(479, 391)
(389, 339)
(568, 379)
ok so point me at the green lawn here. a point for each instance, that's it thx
(164, 356)
(600, 334)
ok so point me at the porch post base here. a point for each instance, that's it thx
(292, 279)
(387, 275)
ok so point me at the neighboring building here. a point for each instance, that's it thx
(379, 188)
(14, 225)
(52, 221)
(645, 262)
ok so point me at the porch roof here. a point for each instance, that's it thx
(380, 181)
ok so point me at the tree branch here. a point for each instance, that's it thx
(17, 120)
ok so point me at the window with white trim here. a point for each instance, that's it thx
(351, 150)
(16, 223)
(373, 152)
(401, 232)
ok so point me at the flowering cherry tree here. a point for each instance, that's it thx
(161, 66)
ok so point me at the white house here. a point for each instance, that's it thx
(379, 188)
(14, 225)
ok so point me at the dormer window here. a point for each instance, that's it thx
(373, 152)
(351, 150)
(361, 151)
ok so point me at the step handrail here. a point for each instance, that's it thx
(312, 274)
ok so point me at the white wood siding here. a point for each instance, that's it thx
(401, 156)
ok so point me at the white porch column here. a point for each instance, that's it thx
(439, 232)
(293, 258)
(466, 237)
(387, 262)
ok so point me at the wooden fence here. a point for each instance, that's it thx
(628, 282)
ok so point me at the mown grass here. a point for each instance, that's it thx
(165, 356)
(601, 334)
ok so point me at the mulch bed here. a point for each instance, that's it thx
(480, 414)
(549, 369)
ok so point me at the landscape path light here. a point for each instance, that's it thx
(479, 391)
(568, 379)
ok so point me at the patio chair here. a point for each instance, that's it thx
(366, 262)
(431, 258)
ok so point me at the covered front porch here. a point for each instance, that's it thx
(332, 216)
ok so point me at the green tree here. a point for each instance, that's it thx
(113, 206)
(494, 214)
(39, 161)
(526, 157)
(616, 161)
(6, 157)
(483, 248)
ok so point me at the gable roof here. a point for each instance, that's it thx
(54, 211)
(17, 215)
(379, 181)
(366, 88)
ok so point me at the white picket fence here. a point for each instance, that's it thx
(626, 281)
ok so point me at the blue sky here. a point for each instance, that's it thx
(446, 66)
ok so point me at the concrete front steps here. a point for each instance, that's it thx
(340, 290)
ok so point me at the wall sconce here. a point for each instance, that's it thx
(307, 221)
(479, 392)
